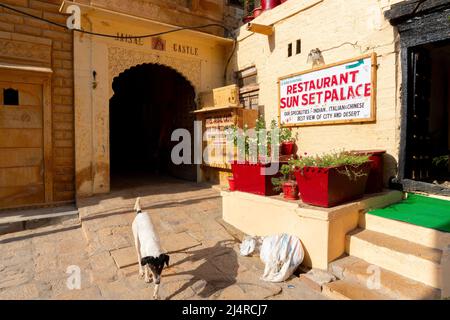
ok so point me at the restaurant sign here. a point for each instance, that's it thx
(344, 92)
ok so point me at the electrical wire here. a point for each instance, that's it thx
(354, 45)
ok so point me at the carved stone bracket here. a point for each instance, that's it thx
(122, 59)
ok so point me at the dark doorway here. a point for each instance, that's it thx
(428, 135)
(424, 31)
(150, 101)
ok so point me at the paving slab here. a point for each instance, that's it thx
(27, 291)
(92, 293)
(101, 260)
(204, 251)
(124, 257)
(177, 242)
(130, 271)
(108, 274)
(316, 278)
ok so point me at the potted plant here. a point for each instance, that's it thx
(251, 173)
(286, 183)
(264, 147)
(231, 184)
(331, 179)
(287, 142)
(375, 181)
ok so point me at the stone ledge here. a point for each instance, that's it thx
(275, 200)
(13, 216)
(369, 202)
(322, 231)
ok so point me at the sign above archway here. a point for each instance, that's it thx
(343, 92)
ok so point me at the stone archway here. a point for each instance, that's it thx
(121, 59)
(150, 101)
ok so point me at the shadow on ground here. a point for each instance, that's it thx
(217, 272)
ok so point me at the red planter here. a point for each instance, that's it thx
(375, 182)
(247, 19)
(290, 190)
(329, 187)
(269, 4)
(287, 148)
(250, 178)
(231, 184)
(257, 12)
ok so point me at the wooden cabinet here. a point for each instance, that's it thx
(215, 120)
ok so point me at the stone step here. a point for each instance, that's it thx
(389, 283)
(18, 220)
(351, 290)
(403, 257)
(417, 234)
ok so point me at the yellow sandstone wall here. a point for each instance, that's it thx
(108, 58)
(341, 30)
(27, 41)
(177, 12)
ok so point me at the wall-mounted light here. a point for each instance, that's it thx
(94, 83)
(315, 57)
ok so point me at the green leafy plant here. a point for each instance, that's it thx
(249, 5)
(333, 159)
(262, 137)
(254, 140)
(260, 123)
(286, 134)
(233, 132)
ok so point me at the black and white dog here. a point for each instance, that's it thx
(150, 257)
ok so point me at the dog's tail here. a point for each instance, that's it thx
(137, 206)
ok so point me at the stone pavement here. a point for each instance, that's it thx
(204, 251)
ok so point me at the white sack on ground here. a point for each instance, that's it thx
(250, 245)
(282, 254)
